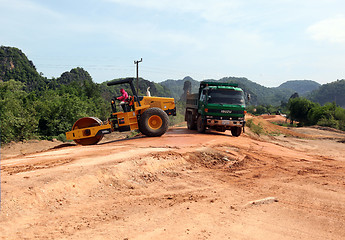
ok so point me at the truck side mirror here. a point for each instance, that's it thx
(248, 96)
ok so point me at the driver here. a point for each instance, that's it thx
(124, 99)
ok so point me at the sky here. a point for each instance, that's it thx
(268, 41)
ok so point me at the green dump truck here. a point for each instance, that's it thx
(219, 106)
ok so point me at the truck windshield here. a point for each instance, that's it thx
(226, 96)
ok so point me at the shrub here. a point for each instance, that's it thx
(328, 123)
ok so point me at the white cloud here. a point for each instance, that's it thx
(330, 30)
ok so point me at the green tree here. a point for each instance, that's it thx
(340, 116)
(17, 119)
(261, 110)
(58, 111)
(299, 108)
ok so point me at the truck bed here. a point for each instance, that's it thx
(192, 100)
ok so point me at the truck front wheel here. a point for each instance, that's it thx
(200, 125)
(236, 131)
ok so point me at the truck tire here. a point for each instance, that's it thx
(190, 123)
(200, 125)
(236, 131)
(153, 122)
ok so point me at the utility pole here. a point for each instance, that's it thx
(137, 63)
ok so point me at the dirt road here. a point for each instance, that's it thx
(182, 185)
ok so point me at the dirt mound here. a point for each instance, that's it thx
(221, 157)
(14, 149)
(274, 118)
(272, 129)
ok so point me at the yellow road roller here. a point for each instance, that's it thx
(148, 114)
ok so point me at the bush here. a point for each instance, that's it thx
(328, 123)
(61, 137)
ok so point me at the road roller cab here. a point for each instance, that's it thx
(148, 114)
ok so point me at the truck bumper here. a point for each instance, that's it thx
(225, 123)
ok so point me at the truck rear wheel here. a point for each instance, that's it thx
(153, 122)
(200, 125)
(190, 122)
(236, 131)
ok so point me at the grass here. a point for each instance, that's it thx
(133, 133)
(285, 124)
(257, 129)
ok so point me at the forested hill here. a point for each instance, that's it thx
(176, 86)
(330, 92)
(302, 87)
(155, 89)
(260, 95)
(15, 65)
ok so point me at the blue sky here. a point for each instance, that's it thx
(267, 41)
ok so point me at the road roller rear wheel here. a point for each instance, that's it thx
(84, 123)
(154, 122)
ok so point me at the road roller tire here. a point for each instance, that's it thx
(153, 122)
(84, 123)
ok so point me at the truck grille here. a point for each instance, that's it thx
(225, 111)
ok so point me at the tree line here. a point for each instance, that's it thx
(309, 113)
(46, 114)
